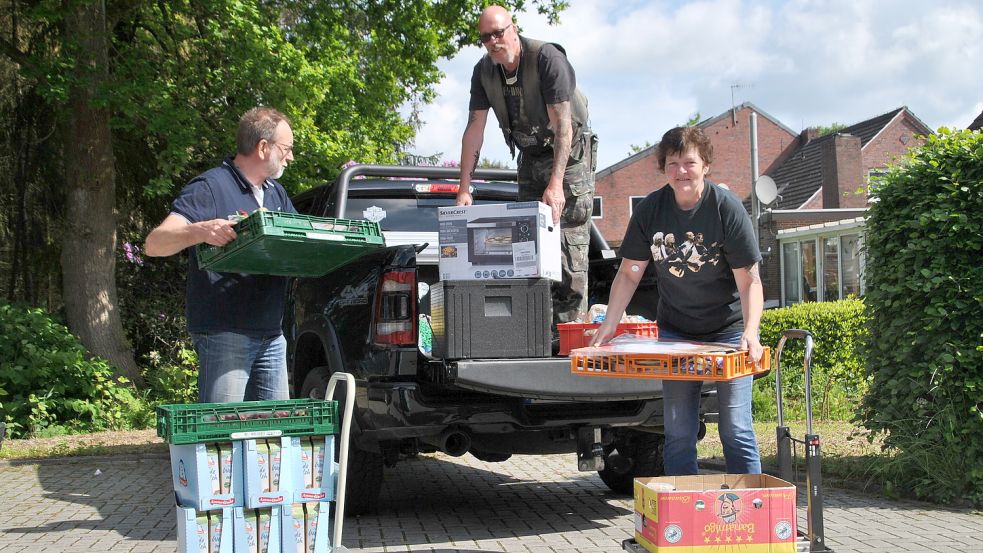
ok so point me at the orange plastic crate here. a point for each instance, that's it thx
(704, 365)
(578, 335)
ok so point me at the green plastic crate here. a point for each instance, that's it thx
(217, 422)
(290, 244)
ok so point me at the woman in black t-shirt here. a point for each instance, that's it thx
(709, 288)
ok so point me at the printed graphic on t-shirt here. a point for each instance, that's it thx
(688, 257)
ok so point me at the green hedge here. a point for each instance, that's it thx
(925, 304)
(838, 379)
(49, 385)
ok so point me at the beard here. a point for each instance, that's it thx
(276, 166)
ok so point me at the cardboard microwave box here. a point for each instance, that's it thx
(753, 513)
(489, 241)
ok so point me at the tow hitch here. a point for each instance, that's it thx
(590, 453)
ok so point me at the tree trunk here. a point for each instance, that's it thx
(88, 253)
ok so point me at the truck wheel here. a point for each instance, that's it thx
(633, 454)
(364, 467)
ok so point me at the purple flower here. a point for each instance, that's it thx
(132, 253)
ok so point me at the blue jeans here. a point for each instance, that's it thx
(681, 410)
(236, 367)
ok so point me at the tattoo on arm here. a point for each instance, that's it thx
(753, 272)
(562, 134)
(477, 156)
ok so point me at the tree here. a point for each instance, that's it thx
(147, 95)
(829, 129)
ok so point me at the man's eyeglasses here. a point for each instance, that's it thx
(486, 37)
(285, 148)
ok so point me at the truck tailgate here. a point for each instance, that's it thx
(547, 379)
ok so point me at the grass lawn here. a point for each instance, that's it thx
(846, 453)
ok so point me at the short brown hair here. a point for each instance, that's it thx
(680, 139)
(255, 125)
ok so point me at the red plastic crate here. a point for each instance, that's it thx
(578, 335)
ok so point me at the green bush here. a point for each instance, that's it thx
(49, 385)
(838, 380)
(151, 302)
(924, 301)
(171, 381)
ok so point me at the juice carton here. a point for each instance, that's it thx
(264, 518)
(306, 462)
(311, 511)
(274, 448)
(201, 530)
(317, 456)
(226, 466)
(294, 541)
(263, 463)
(215, 532)
(214, 479)
(251, 531)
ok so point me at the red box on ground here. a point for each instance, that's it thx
(578, 335)
(751, 513)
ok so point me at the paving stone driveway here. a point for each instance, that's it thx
(437, 504)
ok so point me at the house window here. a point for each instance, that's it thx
(875, 174)
(824, 267)
(850, 265)
(831, 268)
(799, 270)
(633, 202)
(598, 212)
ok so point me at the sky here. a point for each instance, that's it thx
(649, 65)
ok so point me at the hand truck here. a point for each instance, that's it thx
(813, 539)
(342, 481)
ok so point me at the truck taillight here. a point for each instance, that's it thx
(395, 318)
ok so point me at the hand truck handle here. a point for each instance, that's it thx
(346, 424)
(807, 337)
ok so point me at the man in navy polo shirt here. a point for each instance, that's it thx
(234, 319)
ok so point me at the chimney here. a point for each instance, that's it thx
(842, 169)
(808, 135)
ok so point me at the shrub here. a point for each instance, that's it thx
(838, 379)
(48, 384)
(173, 381)
(151, 302)
(924, 299)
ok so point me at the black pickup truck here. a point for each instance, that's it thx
(362, 318)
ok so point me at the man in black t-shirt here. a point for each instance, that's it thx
(532, 89)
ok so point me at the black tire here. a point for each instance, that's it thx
(633, 454)
(364, 481)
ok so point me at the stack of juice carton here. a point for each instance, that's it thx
(260, 495)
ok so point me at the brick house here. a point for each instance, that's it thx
(812, 233)
(814, 229)
(619, 187)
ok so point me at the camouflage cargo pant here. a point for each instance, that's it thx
(569, 297)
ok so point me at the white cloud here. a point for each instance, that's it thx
(646, 66)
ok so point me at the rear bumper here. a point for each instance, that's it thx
(399, 411)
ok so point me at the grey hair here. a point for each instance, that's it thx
(257, 124)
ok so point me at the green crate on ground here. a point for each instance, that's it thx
(290, 244)
(216, 422)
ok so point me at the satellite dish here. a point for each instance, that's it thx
(765, 189)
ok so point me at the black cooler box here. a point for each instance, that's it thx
(484, 319)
